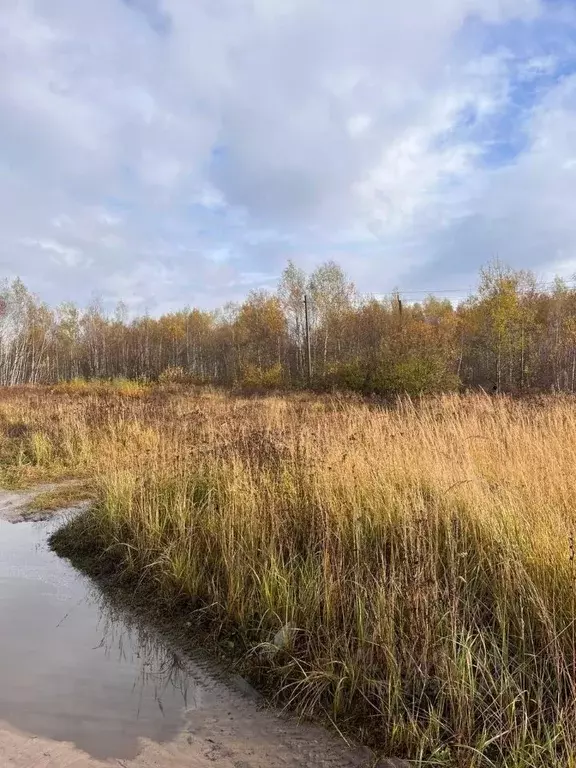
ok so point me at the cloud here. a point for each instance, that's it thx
(166, 152)
(61, 254)
(522, 211)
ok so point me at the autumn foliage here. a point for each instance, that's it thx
(512, 335)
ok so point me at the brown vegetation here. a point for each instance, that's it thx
(61, 496)
(407, 573)
(513, 335)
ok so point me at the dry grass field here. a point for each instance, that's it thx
(404, 572)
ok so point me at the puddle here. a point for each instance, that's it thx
(82, 684)
(71, 670)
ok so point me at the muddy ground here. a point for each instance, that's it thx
(65, 704)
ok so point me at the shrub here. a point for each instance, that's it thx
(255, 378)
(350, 376)
(422, 376)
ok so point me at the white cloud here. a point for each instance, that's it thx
(538, 66)
(61, 254)
(359, 124)
(521, 210)
(170, 150)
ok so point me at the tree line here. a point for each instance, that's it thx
(513, 334)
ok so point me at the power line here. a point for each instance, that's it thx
(431, 290)
(468, 290)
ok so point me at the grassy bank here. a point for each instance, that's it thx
(407, 573)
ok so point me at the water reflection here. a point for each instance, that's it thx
(75, 668)
(126, 640)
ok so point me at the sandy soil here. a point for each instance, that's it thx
(233, 742)
(13, 504)
(232, 731)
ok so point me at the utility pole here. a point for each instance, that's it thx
(399, 302)
(308, 351)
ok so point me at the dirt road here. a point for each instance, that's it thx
(211, 738)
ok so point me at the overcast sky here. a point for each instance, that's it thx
(172, 152)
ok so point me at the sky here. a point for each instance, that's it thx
(166, 153)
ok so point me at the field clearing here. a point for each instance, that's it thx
(406, 573)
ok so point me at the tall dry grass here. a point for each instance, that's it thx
(407, 573)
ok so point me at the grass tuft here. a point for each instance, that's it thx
(63, 496)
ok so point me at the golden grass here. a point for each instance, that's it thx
(63, 496)
(420, 558)
(114, 386)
